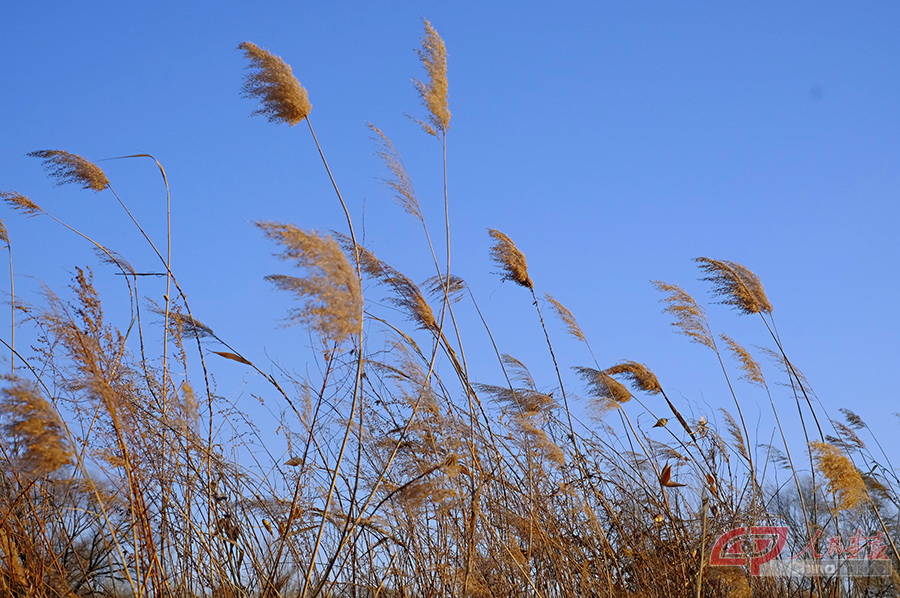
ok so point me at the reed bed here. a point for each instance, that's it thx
(125, 474)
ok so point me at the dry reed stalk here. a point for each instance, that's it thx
(4, 237)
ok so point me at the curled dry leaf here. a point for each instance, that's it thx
(232, 357)
(665, 478)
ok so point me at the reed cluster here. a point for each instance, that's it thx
(393, 472)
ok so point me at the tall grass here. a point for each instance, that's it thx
(126, 474)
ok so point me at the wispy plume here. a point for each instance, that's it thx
(72, 168)
(433, 55)
(844, 480)
(567, 317)
(330, 291)
(400, 181)
(752, 372)
(21, 203)
(272, 82)
(689, 316)
(606, 389)
(737, 285)
(36, 427)
(638, 374)
(506, 255)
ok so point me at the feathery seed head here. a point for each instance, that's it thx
(506, 255)
(844, 480)
(273, 83)
(409, 297)
(854, 420)
(331, 290)
(400, 183)
(190, 326)
(433, 55)
(36, 427)
(407, 294)
(749, 366)
(71, 168)
(640, 375)
(604, 387)
(21, 202)
(689, 316)
(740, 287)
(438, 285)
(4, 234)
(567, 317)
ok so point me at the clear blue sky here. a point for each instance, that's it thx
(614, 141)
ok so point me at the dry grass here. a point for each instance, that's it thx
(385, 470)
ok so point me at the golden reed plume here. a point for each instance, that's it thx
(36, 427)
(506, 255)
(567, 317)
(71, 168)
(21, 202)
(282, 97)
(844, 479)
(740, 287)
(639, 375)
(330, 291)
(433, 55)
(752, 373)
(689, 316)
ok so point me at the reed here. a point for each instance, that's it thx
(391, 471)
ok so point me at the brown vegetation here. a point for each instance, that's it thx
(392, 473)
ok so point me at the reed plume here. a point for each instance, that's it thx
(330, 291)
(752, 373)
(433, 55)
(21, 203)
(738, 286)
(36, 428)
(72, 168)
(605, 388)
(407, 294)
(638, 374)
(187, 325)
(844, 480)
(690, 318)
(506, 255)
(567, 317)
(453, 286)
(400, 183)
(272, 82)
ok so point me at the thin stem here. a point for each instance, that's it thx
(356, 382)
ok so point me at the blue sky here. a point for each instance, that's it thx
(612, 141)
